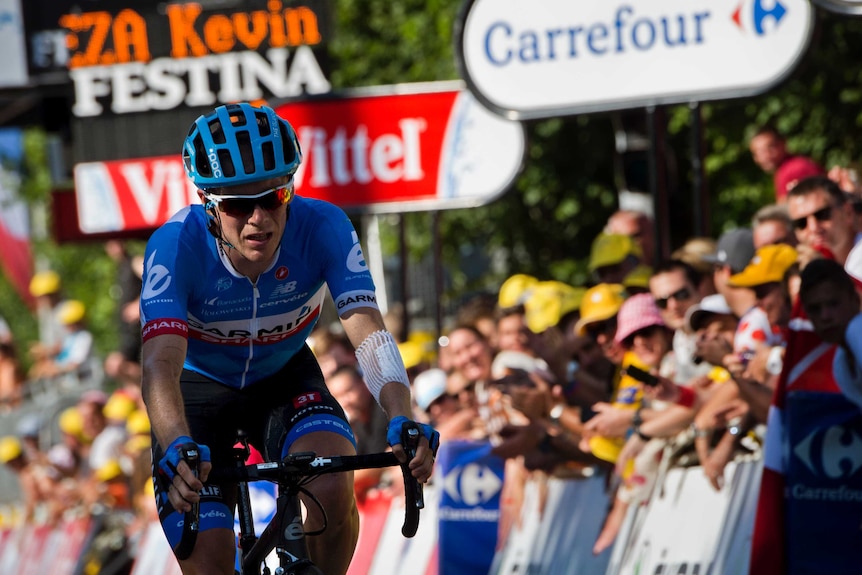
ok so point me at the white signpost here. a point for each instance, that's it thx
(551, 58)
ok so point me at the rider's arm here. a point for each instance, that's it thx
(161, 363)
(395, 395)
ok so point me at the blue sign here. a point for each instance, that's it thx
(469, 506)
(823, 484)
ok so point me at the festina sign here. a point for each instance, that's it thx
(402, 148)
(181, 54)
(556, 57)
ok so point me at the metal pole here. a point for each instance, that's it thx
(658, 182)
(700, 195)
(402, 276)
(437, 262)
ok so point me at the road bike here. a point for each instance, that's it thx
(284, 533)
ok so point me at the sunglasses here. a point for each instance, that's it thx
(243, 206)
(821, 215)
(679, 295)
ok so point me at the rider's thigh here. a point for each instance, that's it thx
(335, 491)
(214, 554)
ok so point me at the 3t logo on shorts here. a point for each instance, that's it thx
(306, 399)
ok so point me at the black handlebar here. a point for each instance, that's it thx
(191, 518)
(305, 465)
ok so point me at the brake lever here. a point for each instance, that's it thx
(411, 443)
(191, 519)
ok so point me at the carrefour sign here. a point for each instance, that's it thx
(555, 57)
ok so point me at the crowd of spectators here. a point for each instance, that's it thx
(655, 357)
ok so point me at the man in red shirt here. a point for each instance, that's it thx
(769, 151)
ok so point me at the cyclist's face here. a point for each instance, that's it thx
(255, 233)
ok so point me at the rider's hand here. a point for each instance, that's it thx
(422, 464)
(184, 484)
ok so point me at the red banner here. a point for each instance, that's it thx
(392, 152)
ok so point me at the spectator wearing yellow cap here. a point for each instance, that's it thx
(46, 286)
(637, 225)
(37, 486)
(515, 290)
(76, 350)
(550, 310)
(613, 257)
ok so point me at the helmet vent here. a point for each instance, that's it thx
(243, 140)
(226, 162)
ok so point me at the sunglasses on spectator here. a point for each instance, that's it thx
(821, 215)
(243, 206)
(679, 295)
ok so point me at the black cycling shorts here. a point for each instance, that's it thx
(273, 412)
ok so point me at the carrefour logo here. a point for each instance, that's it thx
(835, 452)
(761, 16)
(547, 58)
(472, 484)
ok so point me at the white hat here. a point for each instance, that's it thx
(710, 305)
(428, 386)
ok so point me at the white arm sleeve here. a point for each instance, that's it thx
(380, 362)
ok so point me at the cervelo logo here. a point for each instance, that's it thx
(761, 16)
(355, 259)
(158, 278)
(835, 452)
(472, 484)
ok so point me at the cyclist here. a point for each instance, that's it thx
(232, 288)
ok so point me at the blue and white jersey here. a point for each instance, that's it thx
(239, 332)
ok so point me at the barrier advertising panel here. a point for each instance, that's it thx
(557, 57)
(395, 150)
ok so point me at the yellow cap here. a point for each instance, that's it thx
(138, 423)
(119, 407)
(44, 283)
(138, 443)
(10, 448)
(767, 266)
(515, 290)
(638, 277)
(411, 353)
(600, 302)
(427, 341)
(548, 302)
(611, 249)
(71, 422)
(110, 470)
(71, 311)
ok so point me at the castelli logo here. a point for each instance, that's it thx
(282, 273)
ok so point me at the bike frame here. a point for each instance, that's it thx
(285, 532)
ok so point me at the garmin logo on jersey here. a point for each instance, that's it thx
(355, 299)
(270, 329)
(158, 278)
(355, 259)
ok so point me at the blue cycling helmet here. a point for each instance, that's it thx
(238, 144)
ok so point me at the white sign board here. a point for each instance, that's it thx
(13, 72)
(556, 57)
(841, 6)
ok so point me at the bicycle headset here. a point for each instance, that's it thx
(239, 144)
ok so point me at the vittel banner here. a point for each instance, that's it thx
(556, 57)
(403, 148)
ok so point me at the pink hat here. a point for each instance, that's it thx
(636, 313)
